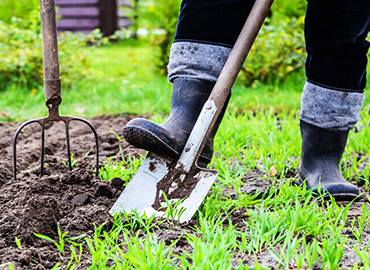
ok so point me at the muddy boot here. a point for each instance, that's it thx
(322, 151)
(168, 139)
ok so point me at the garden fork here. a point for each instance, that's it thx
(52, 86)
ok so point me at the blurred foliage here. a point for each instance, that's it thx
(279, 49)
(289, 8)
(21, 53)
(16, 9)
(154, 16)
(277, 52)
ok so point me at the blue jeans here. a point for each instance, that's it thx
(216, 22)
(335, 32)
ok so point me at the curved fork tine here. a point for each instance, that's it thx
(42, 150)
(96, 140)
(68, 147)
(15, 144)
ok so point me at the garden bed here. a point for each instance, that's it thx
(73, 199)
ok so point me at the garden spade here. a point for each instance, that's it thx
(52, 86)
(176, 188)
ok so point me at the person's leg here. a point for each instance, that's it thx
(332, 97)
(206, 32)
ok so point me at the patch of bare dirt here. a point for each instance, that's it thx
(76, 200)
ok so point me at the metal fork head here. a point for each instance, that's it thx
(52, 103)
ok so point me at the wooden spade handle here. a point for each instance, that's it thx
(239, 52)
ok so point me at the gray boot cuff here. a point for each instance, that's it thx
(330, 109)
(196, 61)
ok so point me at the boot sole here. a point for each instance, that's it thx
(326, 196)
(142, 138)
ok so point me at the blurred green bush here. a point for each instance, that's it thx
(21, 53)
(17, 9)
(279, 49)
(289, 8)
(153, 16)
(277, 52)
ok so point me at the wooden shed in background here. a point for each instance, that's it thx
(86, 15)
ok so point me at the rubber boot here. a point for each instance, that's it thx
(168, 139)
(322, 151)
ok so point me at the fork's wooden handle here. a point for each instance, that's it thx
(49, 39)
(52, 85)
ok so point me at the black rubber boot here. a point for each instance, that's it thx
(322, 151)
(168, 139)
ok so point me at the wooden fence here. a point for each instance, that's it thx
(86, 15)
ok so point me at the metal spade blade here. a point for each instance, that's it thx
(156, 174)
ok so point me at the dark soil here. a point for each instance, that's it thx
(76, 200)
(73, 199)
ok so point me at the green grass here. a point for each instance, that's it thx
(288, 223)
(260, 131)
(129, 60)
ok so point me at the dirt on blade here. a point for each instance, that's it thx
(174, 187)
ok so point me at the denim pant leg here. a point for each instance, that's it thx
(206, 32)
(216, 22)
(335, 32)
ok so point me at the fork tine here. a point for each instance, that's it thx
(68, 147)
(42, 150)
(15, 144)
(96, 141)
